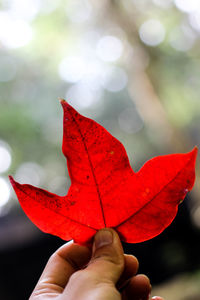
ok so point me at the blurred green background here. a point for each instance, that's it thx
(134, 67)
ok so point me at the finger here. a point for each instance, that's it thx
(107, 261)
(61, 265)
(131, 265)
(157, 298)
(138, 288)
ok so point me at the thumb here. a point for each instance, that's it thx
(107, 261)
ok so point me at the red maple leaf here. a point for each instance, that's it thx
(105, 191)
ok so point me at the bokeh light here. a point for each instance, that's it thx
(30, 173)
(163, 4)
(194, 19)
(81, 95)
(48, 6)
(182, 38)
(72, 68)
(25, 9)
(5, 157)
(152, 32)
(187, 6)
(14, 32)
(109, 48)
(114, 79)
(4, 192)
(79, 11)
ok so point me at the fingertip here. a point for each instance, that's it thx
(107, 239)
(103, 237)
(143, 279)
(131, 262)
(131, 266)
(106, 236)
(139, 286)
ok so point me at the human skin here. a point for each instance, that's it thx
(104, 272)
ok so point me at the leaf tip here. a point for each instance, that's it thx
(12, 181)
(194, 153)
(62, 101)
(195, 150)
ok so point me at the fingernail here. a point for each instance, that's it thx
(102, 238)
(156, 298)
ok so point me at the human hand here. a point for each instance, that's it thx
(74, 273)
